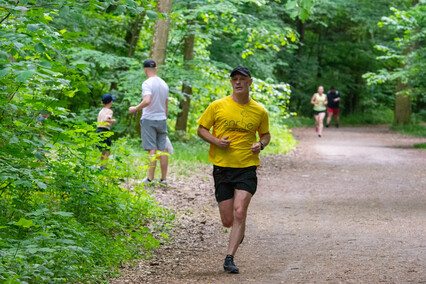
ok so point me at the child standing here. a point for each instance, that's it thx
(105, 121)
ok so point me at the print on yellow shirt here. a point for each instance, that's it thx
(240, 122)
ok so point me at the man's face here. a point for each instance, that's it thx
(241, 84)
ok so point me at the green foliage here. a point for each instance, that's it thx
(418, 130)
(194, 150)
(282, 141)
(404, 56)
(336, 49)
(380, 115)
(299, 8)
(61, 218)
(298, 121)
(420, 146)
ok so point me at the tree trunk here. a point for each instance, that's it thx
(131, 38)
(132, 35)
(320, 50)
(301, 31)
(161, 33)
(402, 114)
(188, 56)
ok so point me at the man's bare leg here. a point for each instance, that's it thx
(329, 117)
(226, 210)
(242, 200)
(164, 163)
(152, 164)
(233, 212)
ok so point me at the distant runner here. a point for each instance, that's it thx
(333, 98)
(319, 100)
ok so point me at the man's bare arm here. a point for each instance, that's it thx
(205, 134)
(144, 103)
(257, 147)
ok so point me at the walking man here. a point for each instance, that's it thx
(155, 95)
(234, 153)
(333, 98)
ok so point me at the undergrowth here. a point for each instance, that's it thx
(64, 220)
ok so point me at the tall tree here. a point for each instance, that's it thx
(404, 59)
(132, 35)
(402, 114)
(161, 32)
(185, 102)
(188, 56)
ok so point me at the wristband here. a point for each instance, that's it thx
(262, 146)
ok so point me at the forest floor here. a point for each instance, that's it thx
(349, 207)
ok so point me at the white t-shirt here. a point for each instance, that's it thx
(159, 91)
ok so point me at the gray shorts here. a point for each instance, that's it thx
(153, 134)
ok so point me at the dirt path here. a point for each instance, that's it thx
(346, 208)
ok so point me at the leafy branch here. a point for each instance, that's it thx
(8, 14)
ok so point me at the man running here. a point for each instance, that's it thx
(234, 153)
(333, 98)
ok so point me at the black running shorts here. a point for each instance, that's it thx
(104, 145)
(226, 180)
(316, 112)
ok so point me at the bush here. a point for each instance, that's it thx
(62, 219)
(381, 115)
(411, 129)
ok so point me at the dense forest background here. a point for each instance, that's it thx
(72, 52)
(61, 218)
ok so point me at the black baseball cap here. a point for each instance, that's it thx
(242, 70)
(107, 98)
(149, 64)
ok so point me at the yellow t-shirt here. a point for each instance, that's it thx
(240, 122)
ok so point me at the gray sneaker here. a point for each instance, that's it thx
(148, 182)
(229, 265)
(162, 182)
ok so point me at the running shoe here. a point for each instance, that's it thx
(147, 181)
(229, 265)
(162, 182)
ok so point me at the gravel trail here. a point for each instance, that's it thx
(349, 207)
